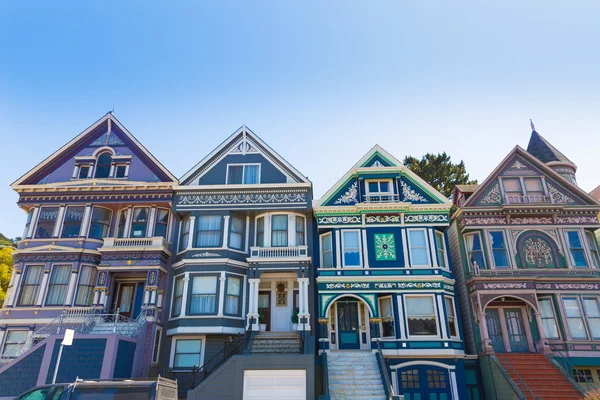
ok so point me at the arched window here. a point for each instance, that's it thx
(103, 165)
(537, 251)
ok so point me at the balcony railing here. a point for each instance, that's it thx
(381, 198)
(527, 199)
(135, 242)
(279, 252)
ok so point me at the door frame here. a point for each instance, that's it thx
(451, 370)
(267, 322)
(504, 328)
(118, 297)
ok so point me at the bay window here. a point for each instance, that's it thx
(593, 248)
(300, 230)
(58, 286)
(46, 222)
(162, 223)
(85, 288)
(451, 315)
(574, 318)
(209, 231)
(139, 222)
(351, 248)
(592, 313)
(184, 234)
(279, 231)
(31, 285)
(122, 223)
(418, 247)
(178, 297)
(236, 234)
(204, 295)
(475, 249)
(232, 298)
(326, 251)
(379, 191)
(72, 222)
(420, 312)
(548, 318)
(103, 164)
(440, 245)
(576, 249)
(260, 232)
(499, 250)
(100, 223)
(386, 311)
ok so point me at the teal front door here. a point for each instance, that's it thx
(516, 332)
(347, 313)
(494, 330)
(424, 383)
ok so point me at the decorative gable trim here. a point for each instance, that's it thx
(242, 141)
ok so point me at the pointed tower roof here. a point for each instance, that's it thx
(543, 150)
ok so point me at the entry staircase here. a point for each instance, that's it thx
(82, 321)
(354, 374)
(277, 343)
(537, 377)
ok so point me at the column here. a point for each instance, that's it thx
(267, 232)
(58, 223)
(33, 222)
(253, 302)
(85, 223)
(442, 316)
(129, 211)
(13, 288)
(112, 170)
(71, 290)
(186, 285)
(433, 248)
(43, 286)
(191, 233)
(75, 173)
(303, 312)
(151, 222)
(486, 343)
(91, 170)
(247, 237)
(225, 231)
(222, 281)
(543, 344)
(365, 248)
(292, 230)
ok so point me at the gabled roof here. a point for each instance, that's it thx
(518, 150)
(544, 150)
(242, 139)
(69, 149)
(395, 164)
(596, 193)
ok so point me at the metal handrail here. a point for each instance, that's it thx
(588, 385)
(387, 381)
(516, 373)
(325, 373)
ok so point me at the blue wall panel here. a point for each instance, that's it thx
(23, 375)
(83, 359)
(124, 361)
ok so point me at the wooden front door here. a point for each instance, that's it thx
(125, 298)
(264, 307)
(347, 313)
(494, 330)
(516, 330)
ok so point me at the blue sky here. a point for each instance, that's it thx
(321, 82)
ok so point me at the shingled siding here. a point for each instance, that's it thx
(83, 359)
(23, 375)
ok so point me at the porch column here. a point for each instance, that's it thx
(253, 302)
(71, 289)
(13, 287)
(190, 234)
(43, 287)
(486, 343)
(543, 345)
(303, 312)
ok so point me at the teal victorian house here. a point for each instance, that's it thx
(385, 285)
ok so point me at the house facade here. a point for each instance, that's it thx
(242, 268)
(94, 257)
(385, 281)
(525, 254)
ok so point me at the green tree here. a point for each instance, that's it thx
(4, 241)
(439, 171)
(6, 264)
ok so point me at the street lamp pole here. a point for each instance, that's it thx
(67, 341)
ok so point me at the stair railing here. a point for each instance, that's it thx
(509, 378)
(237, 346)
(385, 374)
(325, 376)
(575, 376)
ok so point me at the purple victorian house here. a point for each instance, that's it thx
(94, 258)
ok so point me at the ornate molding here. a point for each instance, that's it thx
(493, 196)
(410, 194)
(505, 285)
(259, 198)
(421, 218)
(558, 196)
(485, 221)
(383, 219)
(579, 219)
(376, 164)
(206, 254)
(518, 165)
(341, 220)
(567, 286)
(351, 195)
(243, 146)
(531, 221)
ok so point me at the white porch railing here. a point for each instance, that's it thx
(135, 242)
(279, 252)
(527, 199)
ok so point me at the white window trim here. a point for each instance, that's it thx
(440, 236)
(183, 276)
(130, 218)
(243, 173)
(522, 184)
(427, 248)
(455, 318)
(47, 290)
(381, 317)
(29, 333)
(435, 312)
(467, 249)
(22, 282)
(360, 252)
(585, 314)
(321, 236)
(88, 224)
(593, 243)
(156, 356)
(582, 240)
(268, 222)
(390, 186)
(487, 234)
(186, 337)
(37, 220)
(549, 298)
(581, 311)
(77, 283)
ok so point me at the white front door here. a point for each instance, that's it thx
(274, 384)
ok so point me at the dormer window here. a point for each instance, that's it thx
(379, 191)
(84, 171)
(103, 165)
(120, 171)
(524, 190)
(243, 174)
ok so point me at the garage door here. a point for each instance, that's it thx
(275, 384)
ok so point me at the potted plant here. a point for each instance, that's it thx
(262, 326)
(295, 319)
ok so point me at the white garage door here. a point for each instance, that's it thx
(275, 384)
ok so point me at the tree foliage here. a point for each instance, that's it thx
(4, 241)
(6, 264)
(439, 171)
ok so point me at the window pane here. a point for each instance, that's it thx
(234, 174)
(417, 238)
(416, 306)
(511, 185)
(46, 221)
(574, 320)
(326, 251)
(59, 283)
(139, 222)
(184, 235)
(72, 222)
(421, 316)
(593, 314)
(209, 231)
(384, 187)
(162, 222)
(83, 172)
(120, 171)
(499, 249)
(251, 174)
(373, 187)
(279, 230)
(204, 285)
(85, 289)
(574, 240)
(300, 231)
(533, 185)
(103, 165)
(418, 247)
(31, 284)
(188, 346)
(233, 286)
(260, 232)
(576, 249)
(100, 223)
(351, 248)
